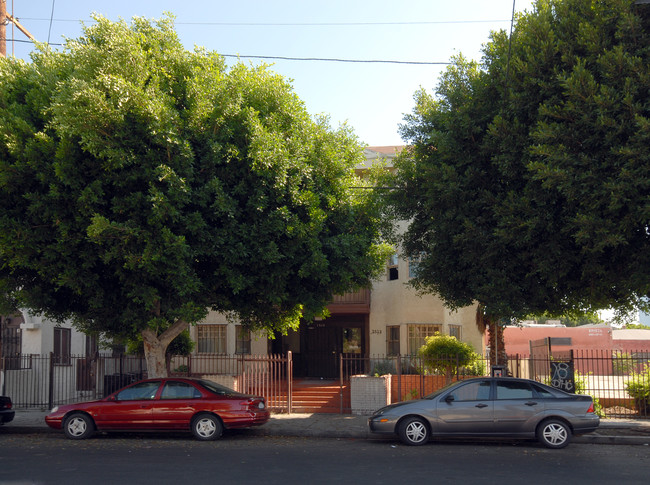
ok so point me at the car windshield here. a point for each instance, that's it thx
(217, 388)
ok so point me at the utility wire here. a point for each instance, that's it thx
(302, 59)
(325, 59)
(306, 24)
(51, 19)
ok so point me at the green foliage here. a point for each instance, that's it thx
(638, 387)
(383, 368)
(142, 185)
(580, 382)
(622, 363)
(411, 395)
(477, 367)
(527, 178)
(445, 353)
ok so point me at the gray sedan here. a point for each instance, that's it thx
(490, 407)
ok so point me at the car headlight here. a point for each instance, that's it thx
(261, 405)
(54, 409)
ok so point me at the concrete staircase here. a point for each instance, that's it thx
(319, 396)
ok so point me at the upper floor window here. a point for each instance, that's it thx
(393, 263)
(414, 264)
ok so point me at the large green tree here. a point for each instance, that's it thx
(142, 184)
(527, 183)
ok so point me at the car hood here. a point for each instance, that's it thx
(398, 405)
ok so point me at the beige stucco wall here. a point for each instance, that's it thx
(396, 303)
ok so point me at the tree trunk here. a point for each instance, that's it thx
(155, 347)
(496, 342)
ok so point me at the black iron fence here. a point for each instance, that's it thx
(44, 381)
(619, 381)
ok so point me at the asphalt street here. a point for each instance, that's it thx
(244, 458)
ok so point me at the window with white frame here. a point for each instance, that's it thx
(418, 332)
(243, 342)
(211, 339)
(455, 331)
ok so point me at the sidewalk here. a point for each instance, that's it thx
(611, 431)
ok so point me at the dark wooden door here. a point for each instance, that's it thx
(320, 347)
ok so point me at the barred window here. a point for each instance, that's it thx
(418, 333)
(211, 339)
(392, 340)
(243, 345)
(454, 331)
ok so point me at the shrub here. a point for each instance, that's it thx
(444, 354)
(383, 367)
(622, 363)
(580, 382)
(638, 387)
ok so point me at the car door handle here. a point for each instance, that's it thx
(531, 403)
(481, 405)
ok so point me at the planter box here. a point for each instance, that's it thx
(367, 394)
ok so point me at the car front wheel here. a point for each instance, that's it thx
(554, 433)
(414, 431)
(207, 427)
(78, 426)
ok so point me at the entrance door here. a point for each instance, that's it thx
(320, 348)
(322, 343)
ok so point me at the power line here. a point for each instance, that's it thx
(51, 20)
(302, 59)
(306, 24)
(325, 59)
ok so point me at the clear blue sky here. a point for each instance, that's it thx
(371, 97)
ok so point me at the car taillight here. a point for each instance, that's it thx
(591, 408)
(255, 404)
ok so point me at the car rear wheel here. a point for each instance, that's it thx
(78, 426)
(207, 427)
(414, 431)
(554, 433)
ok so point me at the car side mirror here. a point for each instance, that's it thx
(449, 398)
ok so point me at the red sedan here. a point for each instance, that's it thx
(200, 406)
